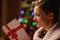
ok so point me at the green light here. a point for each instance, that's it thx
(33, 23)
(27, 13)
(26, 21)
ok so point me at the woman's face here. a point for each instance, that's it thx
(40, 17)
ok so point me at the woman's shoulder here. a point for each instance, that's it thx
(54, 32)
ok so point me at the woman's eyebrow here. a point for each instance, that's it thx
(35, 13)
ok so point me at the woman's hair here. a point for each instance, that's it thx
(49, 6)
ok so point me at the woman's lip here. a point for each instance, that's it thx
(37, 22)
(37, 26)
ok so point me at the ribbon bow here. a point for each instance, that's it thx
(12, 32)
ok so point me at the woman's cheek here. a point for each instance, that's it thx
(46, 20)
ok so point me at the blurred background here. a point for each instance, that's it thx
(23, 11)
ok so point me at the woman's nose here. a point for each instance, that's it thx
(34, 18)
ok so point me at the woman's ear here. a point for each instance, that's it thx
(51, 15)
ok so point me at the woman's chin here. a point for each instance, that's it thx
(38, 26)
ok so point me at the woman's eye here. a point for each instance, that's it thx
(38, 15)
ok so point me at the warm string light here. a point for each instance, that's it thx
(24, 25)
(33, 3)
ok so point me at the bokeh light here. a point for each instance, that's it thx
(24, 4)
(32, 13)
(20, 19)
(31, 28)
(33, 3)
(31, 7)
(24, 25)
(27, 13)
(33, 23)
(29, 32)
(22, 11)
(25, 21)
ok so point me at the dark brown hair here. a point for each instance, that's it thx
(49, 6)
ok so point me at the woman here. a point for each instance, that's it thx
(46, 16)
